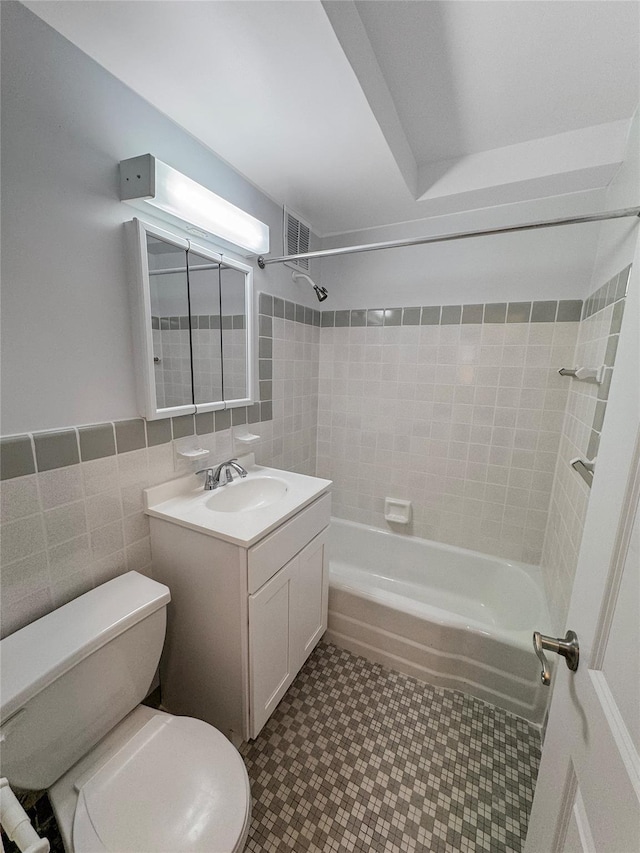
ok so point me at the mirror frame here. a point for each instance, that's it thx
(137, 231)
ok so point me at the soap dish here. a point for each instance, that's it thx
(247, 438)
(397, 510)
(193, 453)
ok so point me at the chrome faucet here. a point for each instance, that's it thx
(214, 477)
(225, 468)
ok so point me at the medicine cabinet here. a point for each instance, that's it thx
(193, 325)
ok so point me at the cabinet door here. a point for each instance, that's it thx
(309, 601)
(272, 661)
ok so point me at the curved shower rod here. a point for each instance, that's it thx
(461, 235)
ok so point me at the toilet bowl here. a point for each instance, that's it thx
(121, 777)
(154, 771)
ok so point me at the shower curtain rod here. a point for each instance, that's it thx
(461, 235)
(193, 268)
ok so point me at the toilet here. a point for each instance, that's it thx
(121, 777)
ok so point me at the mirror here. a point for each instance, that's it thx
(206, 328)
(169, 323)
(192, 325)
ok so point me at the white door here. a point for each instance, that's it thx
(588, 790)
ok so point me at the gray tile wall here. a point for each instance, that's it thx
(462, 419)
(597, 344)
(288, 350)
(564, 311)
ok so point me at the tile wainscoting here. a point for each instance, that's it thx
(72, 513)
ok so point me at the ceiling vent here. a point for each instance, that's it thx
(296, 234)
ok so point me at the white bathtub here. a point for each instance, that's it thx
(445, 615)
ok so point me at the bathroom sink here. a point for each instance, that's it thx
(242, 512)
(247, 495)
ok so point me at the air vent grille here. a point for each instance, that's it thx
(296, 240)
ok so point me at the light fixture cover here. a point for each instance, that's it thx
(145, 181)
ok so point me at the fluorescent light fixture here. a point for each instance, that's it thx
(176, 198)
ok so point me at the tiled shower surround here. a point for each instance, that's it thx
(457, 409)
(586, 406)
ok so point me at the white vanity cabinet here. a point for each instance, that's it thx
(242, 620)
(287, 617)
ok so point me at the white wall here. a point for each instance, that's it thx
(66, 124)
(618, 239)
(551, 263)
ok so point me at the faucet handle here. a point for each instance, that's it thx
(209, 480)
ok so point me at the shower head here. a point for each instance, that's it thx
(321, 292)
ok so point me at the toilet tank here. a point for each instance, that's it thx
(68, 678)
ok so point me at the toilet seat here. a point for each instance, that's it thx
(177, 785)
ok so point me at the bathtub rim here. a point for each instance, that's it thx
(534, 572)
(523, 639)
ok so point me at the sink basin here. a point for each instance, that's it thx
(246, 495)
(242, 512)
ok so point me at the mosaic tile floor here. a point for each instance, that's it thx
(359, 758)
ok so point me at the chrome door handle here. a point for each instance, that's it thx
(568, 648)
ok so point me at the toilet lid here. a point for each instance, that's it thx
(177, 785)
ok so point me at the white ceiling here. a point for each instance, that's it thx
(471, 76)
(362, 114)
